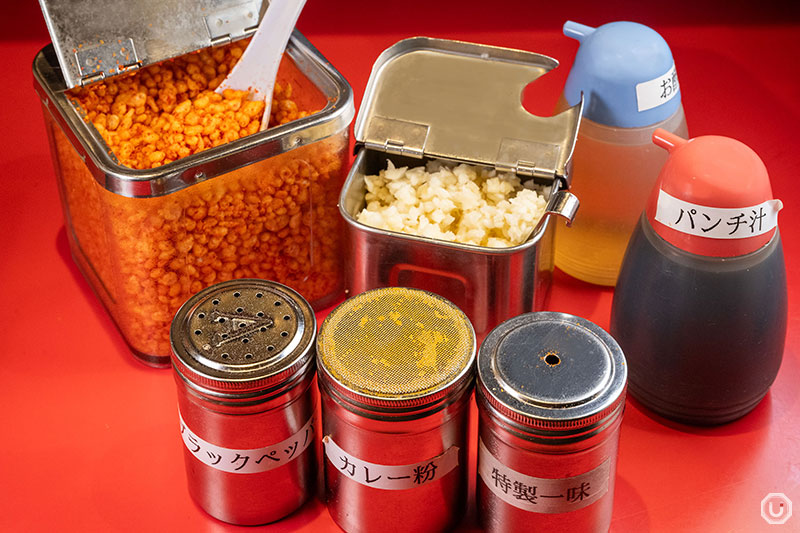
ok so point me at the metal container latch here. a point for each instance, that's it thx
(564, 204)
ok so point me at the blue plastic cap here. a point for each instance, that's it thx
(626, 73)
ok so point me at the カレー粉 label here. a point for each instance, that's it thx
(390, 477)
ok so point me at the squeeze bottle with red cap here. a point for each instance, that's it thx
(627, 75)
(700, 307)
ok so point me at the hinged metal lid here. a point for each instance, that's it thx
(463, 102)
(98, 39)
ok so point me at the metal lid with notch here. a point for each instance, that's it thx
(396, 347)
(463, 102)
(243, 335)
(98, 39)
(552, 372)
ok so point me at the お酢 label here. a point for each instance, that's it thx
(390, 477)
(248, 461)
(658, 91)
(542, 495)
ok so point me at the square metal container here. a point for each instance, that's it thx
(462, 103)
(263, 206)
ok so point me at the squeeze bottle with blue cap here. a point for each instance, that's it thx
(700, 308)
(630, 87)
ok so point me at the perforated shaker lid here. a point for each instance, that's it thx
(713, 196)
(396, 348)
(626, 73)
(242, 336)
(553, 372)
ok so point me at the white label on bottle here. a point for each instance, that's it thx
(717, 222)
(390, 477)
(542, 495)
(653, 93)
(250, 461)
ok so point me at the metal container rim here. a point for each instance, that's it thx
(533, 428)
(184, 172)
(534, 238)
(385, 411)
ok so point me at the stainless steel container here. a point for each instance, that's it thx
(243, 354)
(458, 102)
(395, 369)
(262, 206)
(551, 394)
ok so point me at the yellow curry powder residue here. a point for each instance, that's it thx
(430, 341)
(366, 345)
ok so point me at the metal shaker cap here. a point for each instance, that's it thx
(552, 371)
(396, 347)
(243, 335)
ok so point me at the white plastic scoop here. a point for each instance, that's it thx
(256, 70)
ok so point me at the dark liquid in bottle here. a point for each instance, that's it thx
(703, 336)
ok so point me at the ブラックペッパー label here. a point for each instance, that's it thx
(250, 461)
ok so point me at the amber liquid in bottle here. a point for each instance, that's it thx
(613, 172)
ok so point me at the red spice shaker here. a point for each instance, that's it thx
(243, 357)
(700, 308)
(551, 396)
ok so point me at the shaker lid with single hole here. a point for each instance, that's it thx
(242, 335)
(396, 347)
(102, 38)
(552, 371)
(713, 196)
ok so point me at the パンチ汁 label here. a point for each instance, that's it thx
(390, 477)
(658, 91)
(542, 495)
(248, 461)
(717, 222)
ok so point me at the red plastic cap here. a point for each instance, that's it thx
(713, 196)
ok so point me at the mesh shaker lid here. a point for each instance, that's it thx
(552, 371)
(242, 335)
(713, 196)
(396, 347)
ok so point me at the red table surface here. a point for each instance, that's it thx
(89, 438)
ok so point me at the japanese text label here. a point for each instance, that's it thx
(390, 477)
(717, 222)
(248, 461)
(541, 495)
(653, 93)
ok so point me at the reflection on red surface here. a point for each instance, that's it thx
(90, 436)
